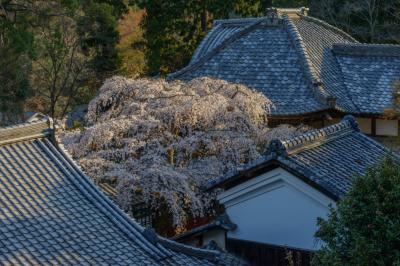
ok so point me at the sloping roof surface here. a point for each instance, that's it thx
(217, 35)
(293, 62)
(241, 61)
(318, 38)
(369, 75)
(328, 157)
(51, 213)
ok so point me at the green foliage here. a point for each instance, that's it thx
(16, 49)
(131, 44)
(34, 67)
(173, 29)
(365, 227)
(120, 7)
(99, 36)
(60, 69)
(290, 3)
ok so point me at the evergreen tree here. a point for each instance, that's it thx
(365, 227)
(173, 29)
(99, 36)
(23, 23)
(16, 51)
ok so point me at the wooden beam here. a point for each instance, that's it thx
(373, 127)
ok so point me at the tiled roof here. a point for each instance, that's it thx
(222, 222)
(328, 157)
(296, 63)
(318, 38)
(369, 73)
(51, 213)
(242, 58)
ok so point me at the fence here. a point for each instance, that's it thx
(268, 255)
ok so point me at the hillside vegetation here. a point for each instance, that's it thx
(131, 44)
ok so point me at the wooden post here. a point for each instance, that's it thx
(373, 127)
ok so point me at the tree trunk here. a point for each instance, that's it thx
(204, 20)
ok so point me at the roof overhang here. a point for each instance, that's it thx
(264, 167)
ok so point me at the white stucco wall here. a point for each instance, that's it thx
(387, 127)
(276, 208)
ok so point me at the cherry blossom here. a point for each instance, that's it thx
(167, 139)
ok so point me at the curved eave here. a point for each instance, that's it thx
(200, 61)
(301, 116)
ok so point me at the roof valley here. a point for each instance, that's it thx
(346, 90)
(322, 58)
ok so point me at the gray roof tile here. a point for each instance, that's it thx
(275, 71)
(328, 157)
(302, 64)
(370, 79)
(51, 213)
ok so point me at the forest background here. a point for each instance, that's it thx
(54, 55)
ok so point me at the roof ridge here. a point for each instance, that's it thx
(158, 241)
(235, 20)
(284, 147)
(328, 26)
(25, 131)
(200, 61)
(199, 49)
(360, 49)
(306, 65)
(132, 230)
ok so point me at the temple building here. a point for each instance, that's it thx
(275, 201)
(312, 72)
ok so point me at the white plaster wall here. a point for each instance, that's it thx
(387, 127)
(276, 208)
(217, 235)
